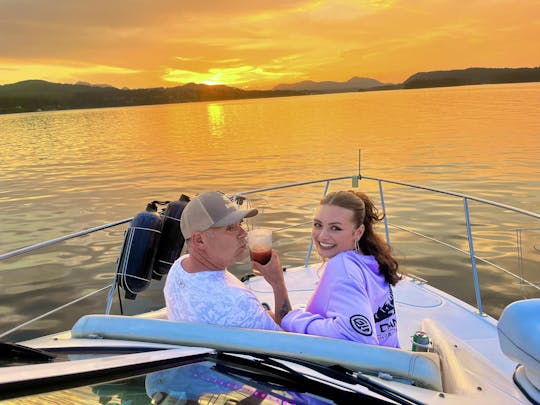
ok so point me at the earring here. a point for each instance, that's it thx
(357, 248)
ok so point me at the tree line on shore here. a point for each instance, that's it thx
(40, 95)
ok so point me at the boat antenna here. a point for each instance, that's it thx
(358, 177)
(359, 164)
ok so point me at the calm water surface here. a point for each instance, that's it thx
(64, 171)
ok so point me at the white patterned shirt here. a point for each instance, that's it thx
(214, 297)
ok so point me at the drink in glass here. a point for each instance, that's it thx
(260, 245)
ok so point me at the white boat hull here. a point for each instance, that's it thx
(468, 365)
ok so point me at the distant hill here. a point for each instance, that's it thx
(472, 76)
(40, 95)
(93, 84)
(355, 83)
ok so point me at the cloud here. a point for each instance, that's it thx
(137, 43)
(241, 76)
(61, 73)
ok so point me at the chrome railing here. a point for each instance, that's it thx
(326, 182)
(471, 253)
(29, 249)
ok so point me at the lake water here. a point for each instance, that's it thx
(65, 171)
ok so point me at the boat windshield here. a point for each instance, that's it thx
(216, 378)
(199, 383)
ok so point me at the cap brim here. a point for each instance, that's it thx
(236, 216)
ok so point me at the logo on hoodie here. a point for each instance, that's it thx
(386, 311)
(387, 314)
(361, 325)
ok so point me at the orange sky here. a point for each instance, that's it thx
(257, 44)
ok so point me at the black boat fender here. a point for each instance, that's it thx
(171, 241)
(139, 251)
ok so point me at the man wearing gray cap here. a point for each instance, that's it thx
(199, 288)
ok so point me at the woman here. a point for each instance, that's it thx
(354, 299)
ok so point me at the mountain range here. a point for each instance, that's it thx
(39, 95)
(355, 83)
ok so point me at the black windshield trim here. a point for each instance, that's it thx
(336, 372)
(112, 350)
(15, 353)
(278, 373)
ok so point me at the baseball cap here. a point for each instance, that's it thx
(211, 209)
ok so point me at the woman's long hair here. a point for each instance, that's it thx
(365, 212)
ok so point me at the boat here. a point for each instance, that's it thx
(452, 351)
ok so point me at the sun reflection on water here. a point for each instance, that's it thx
(216, 120)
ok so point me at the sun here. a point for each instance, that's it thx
(211, 82)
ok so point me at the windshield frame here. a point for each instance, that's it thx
(102, 364)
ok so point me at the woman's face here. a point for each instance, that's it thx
(334, 231)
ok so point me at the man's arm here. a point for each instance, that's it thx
(283, 305)
(273, 274)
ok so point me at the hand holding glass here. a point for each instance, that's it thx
(260, 245)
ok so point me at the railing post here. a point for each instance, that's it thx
(520, 254)
(473, 257)
(383, 206)
(306, 262)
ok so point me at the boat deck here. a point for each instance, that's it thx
(465, 340)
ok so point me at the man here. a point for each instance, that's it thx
(199, 288)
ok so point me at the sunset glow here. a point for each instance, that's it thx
(257, 45)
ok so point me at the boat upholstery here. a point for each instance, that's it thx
(421, 368)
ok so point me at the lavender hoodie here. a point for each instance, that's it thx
(352, 302)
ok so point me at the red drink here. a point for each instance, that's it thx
(260, 245)
(260, 254)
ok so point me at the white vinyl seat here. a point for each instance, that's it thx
(421, 368)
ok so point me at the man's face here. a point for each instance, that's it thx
(226, 244)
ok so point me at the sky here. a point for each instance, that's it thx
(257, 44)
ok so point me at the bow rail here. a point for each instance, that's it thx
(380, 183)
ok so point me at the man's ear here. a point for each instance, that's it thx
(197, 239)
